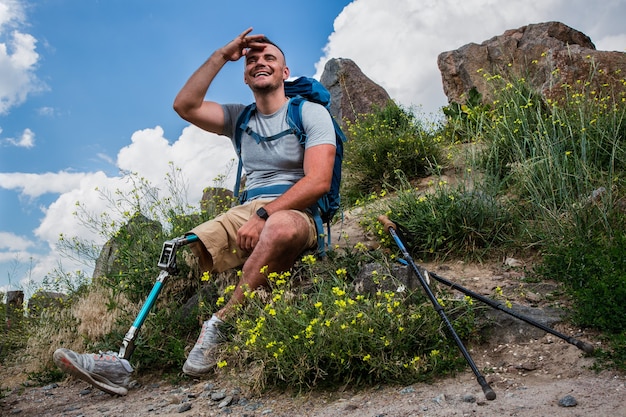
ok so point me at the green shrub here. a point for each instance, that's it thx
(323, 334)
(458, 223)
(593, 271)
(383, 143)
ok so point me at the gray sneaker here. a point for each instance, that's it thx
(105, 371)
(201, 359)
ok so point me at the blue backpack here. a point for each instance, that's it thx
(298, 91)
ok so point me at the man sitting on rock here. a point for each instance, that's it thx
(270, 230)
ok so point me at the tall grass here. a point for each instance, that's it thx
(559, 159)
(562, 162)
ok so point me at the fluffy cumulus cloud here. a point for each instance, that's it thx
(204, 159)
(18, 58)
(35, 185)
(397, 43)
(201, 157)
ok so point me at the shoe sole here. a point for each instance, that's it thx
(68, 365)
(198, 374)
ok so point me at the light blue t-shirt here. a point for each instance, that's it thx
(279, 161)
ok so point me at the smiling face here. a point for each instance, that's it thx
(266, 69)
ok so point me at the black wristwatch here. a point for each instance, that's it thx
(262, 213)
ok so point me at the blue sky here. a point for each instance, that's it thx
(86, 88)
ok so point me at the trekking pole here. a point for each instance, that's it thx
(391, 228)
(584, 346)
(167, 263)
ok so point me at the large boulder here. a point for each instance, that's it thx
(106, 264)
(549, 56)
(352, 92)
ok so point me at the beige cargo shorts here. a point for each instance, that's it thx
(217, 250)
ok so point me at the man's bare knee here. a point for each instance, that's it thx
(286, 227)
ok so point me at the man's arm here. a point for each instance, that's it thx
(318, 173)
(190, 103)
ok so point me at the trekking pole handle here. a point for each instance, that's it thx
(387, 224)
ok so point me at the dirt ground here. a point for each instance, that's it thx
(532, 376)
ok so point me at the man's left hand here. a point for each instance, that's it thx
(248, 234)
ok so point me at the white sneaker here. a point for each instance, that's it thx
(201, 359)
(104, 370)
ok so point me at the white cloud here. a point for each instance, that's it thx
(36, 185)
(18, 58)
(14, 242)
(11, 12)
(396, 44)
(17, 64)
(27, 140)
(201, 157)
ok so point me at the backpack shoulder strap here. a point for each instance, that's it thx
(294, 118)
(242, 124)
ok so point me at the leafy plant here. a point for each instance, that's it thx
(326, 334)
(450, 222)
(382, 143)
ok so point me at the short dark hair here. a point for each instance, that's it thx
(265, 39)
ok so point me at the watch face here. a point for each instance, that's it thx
(262, 213)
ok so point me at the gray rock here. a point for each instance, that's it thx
(568, 401)
(547, 55)
(352, 92)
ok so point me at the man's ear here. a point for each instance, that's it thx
(286, 73)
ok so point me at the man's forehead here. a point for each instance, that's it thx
(265, 49)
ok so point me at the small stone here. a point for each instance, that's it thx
(528, 366)
(71, 408)
(218, 395)
(49, 387)
(440, 398)
(184, 408)
(512, 263)
(568, 401)
(469, 398)
(407, 390)
(533, 297)
(86, 391)
(225, 402)
(174, 399)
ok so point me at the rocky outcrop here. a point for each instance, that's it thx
(42, 300)
(352, 92)
(549, 56)
(106, 263)
(216, 199)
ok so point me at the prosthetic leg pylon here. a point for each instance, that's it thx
(167, 263)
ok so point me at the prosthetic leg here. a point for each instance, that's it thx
(167, 263)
